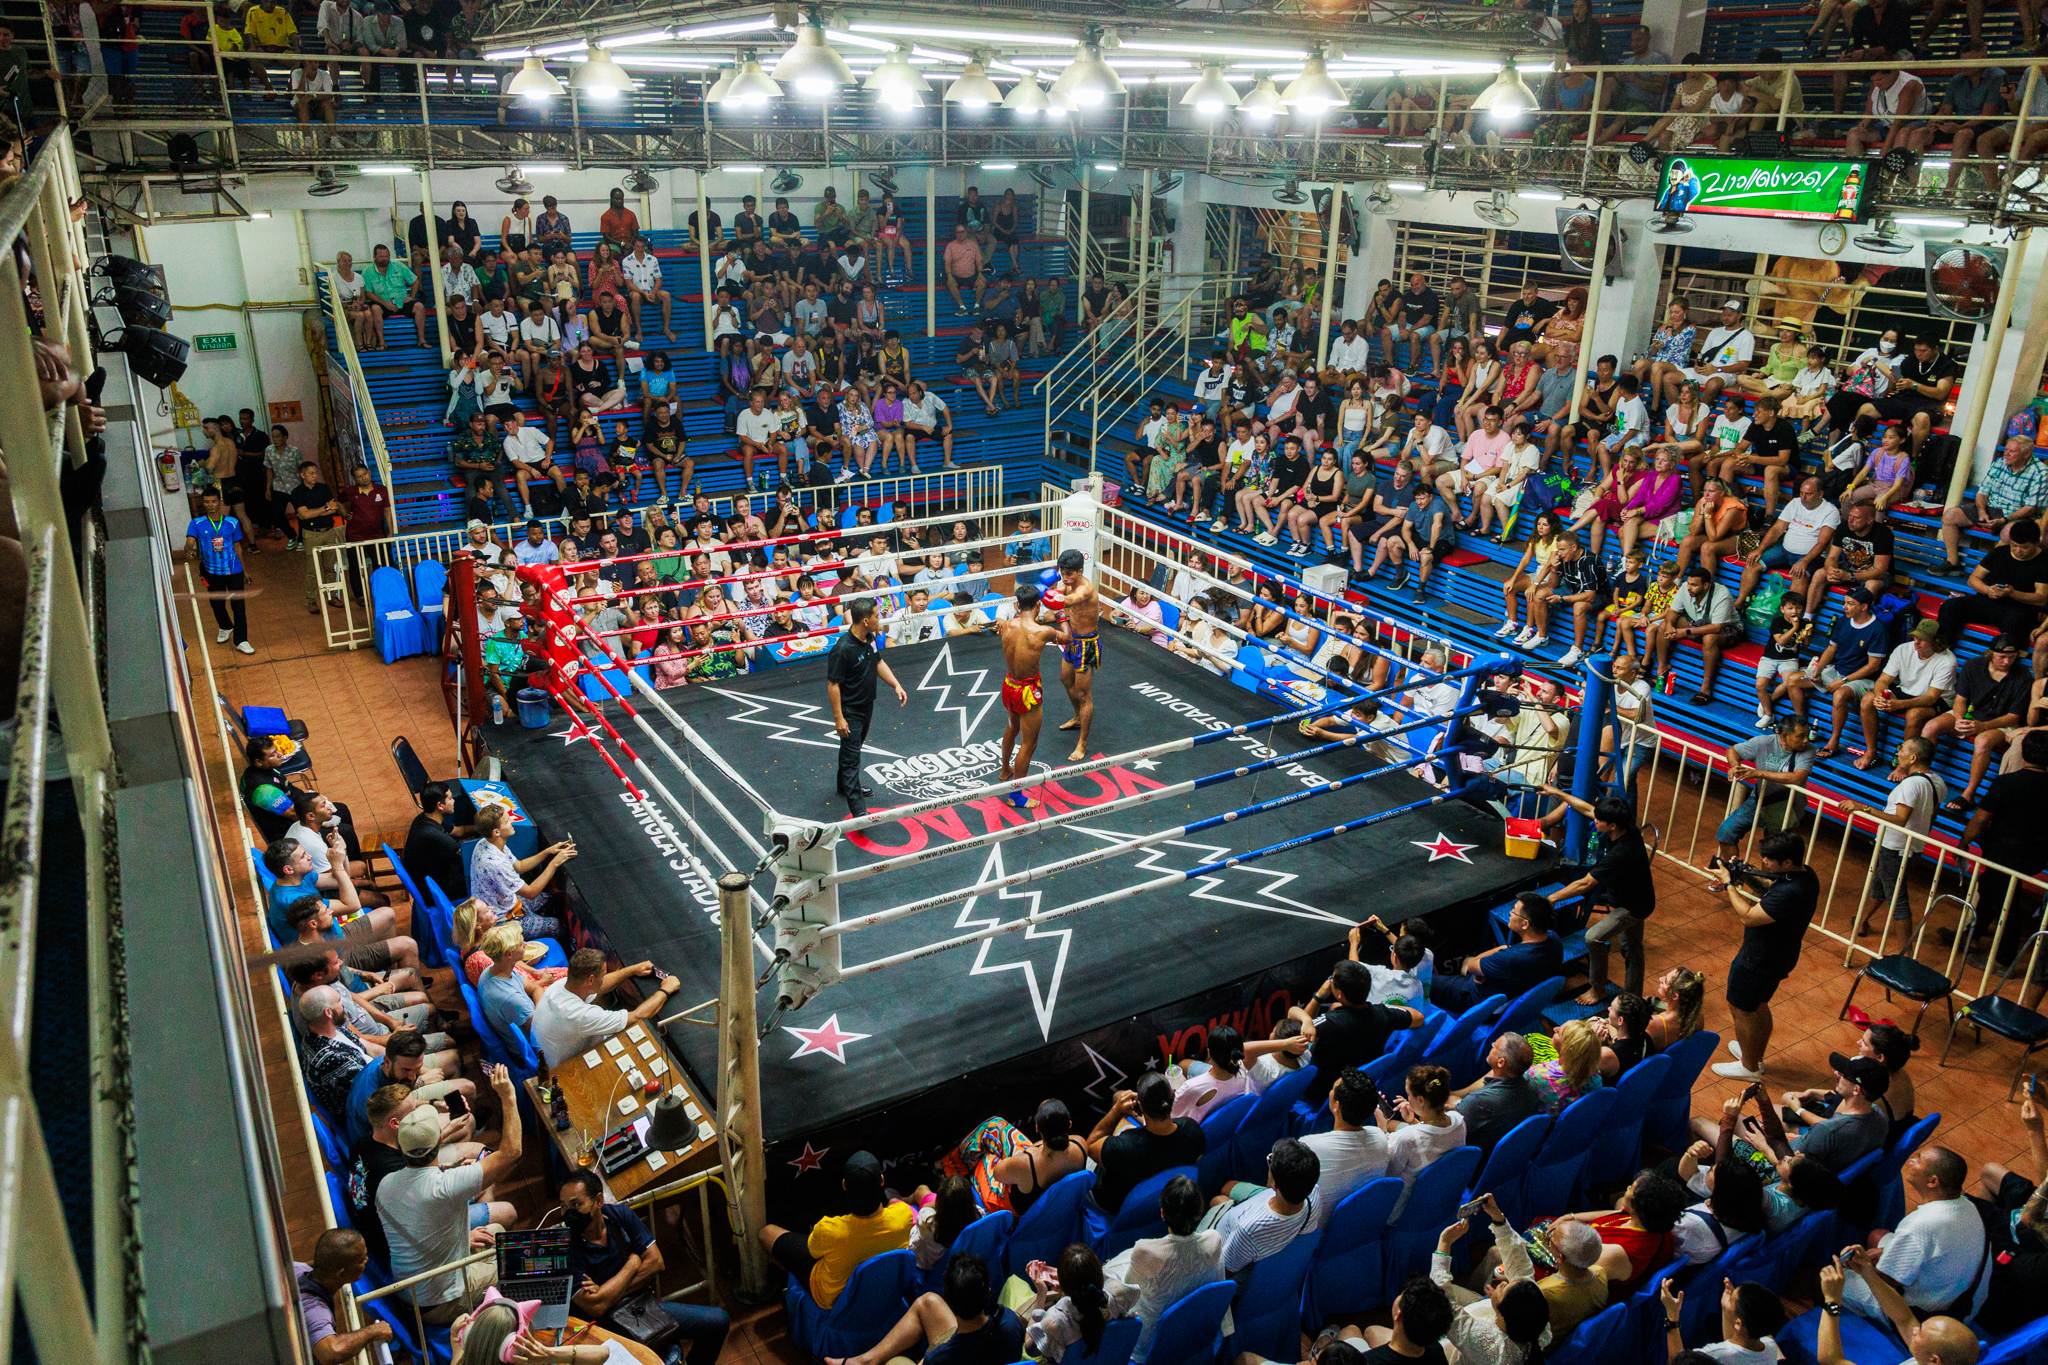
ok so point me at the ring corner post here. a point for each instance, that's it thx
(741, 1150)
(1596, 700)
(1081, 520)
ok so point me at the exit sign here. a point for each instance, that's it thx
(214, 341)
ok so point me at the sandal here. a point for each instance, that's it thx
(1826, 752)
(1960, 805)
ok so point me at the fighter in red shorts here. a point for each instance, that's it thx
(1024, 639)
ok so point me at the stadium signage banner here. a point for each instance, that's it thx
(1743, 187)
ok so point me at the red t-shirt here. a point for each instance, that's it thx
(366, 512)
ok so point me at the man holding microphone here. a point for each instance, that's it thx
(851, 668)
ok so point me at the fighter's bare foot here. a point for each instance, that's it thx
(1070, 725)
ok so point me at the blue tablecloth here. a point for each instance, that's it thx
(525, 840)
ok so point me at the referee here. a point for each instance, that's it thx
(850, 671)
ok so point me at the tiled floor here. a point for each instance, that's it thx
(355, 706)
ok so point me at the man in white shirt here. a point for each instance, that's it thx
(1917, 793)
(566, 1022)
(1723, 357)
(1796, 543)
(1917, 684)
(916, 622)
(759, 431)
(1349, 355)
(539, 335)
(429, 1210)
(1939, 1252)
(313, 89)
(496, 325)
(1210, 382)
(530, 450)
(1354, 1151)
(643, 282)
(1431, 450)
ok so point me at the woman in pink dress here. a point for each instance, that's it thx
(1612, 497)
(671, 669)
(1655, 498)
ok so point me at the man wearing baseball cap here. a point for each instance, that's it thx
(1917, 684)
(1723, 357)
(1861, 1121)
(826, 1259)
(1848, 666)
(429, 1210)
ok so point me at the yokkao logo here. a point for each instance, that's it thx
(957, 771)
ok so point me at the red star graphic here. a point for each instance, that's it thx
(1443, 846)
(811, 1160)
(828, 1038)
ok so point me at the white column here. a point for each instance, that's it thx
(1374, 262)
(1628, 305)
(1678, 27)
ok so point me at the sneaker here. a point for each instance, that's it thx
(1510, 629)
(1764, 719)
(295, 544)
(246, 648)
(1571, 657)
(1537, 642)
(1736, 1071)
(1298, 550)
(221, 637)
(1524, 639)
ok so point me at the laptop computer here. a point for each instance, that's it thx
(534, 1264)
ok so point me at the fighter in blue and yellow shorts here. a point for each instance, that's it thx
(1083, 653)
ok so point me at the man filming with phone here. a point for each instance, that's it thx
(1774, 921)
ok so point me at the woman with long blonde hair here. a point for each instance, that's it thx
(1573, 1067)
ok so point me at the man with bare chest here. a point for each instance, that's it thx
(1024, 639)
(1076, 598)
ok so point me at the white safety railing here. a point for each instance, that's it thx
(974, 492)
(58, 698)
(367, 436)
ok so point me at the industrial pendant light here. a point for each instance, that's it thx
(534, 82)
(1263, 102)
(1314, 90)
(1026, 98)
(1212, 94)
(600, 77)
(1507, 98)
(811, 65)
(1088, 80)
(972, 89)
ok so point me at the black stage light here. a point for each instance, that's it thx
(129, 273)
(138, 307)
(156, 355)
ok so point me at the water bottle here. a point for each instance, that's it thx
(497, 709)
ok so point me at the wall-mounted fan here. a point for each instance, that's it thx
(1670, 224)
(1379, 198)
(786, 181)
(883, 178)
(1047, 178)
(1496, 210)
(1963, 279)
(1884, 236)
(1167, 184)
(639, 181)
(326, 181)
(1290, 193)
(514, 181)
(1578, 236)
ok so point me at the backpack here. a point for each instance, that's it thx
(1900, 612)
(2022, 423)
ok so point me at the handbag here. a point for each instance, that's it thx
(639, 1316)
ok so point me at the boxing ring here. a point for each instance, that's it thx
(889, 981)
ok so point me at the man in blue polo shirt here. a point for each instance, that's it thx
(212, 537)
(614, 1257)
(1534, 957)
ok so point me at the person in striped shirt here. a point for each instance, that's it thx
(213, 537)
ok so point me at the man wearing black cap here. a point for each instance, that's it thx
(1859, 1125)
(850, 672)
(1773, 931)
(826, 1259)
(1847, 668)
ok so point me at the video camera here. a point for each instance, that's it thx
(1736, 870)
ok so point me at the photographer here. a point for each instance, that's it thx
(1774, 924)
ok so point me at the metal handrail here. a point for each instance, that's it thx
(370, 432)
(58, 665)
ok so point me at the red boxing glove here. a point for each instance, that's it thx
(1052, 600)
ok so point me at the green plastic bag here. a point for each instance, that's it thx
(1763, 607)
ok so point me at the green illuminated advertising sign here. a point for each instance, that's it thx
(1814, 190)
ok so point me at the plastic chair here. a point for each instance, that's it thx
(984, 1237)
(1596, 1340)
(1218, 1128)
(1139, 1217)
(1049, 1225)
(2005, 1018)
(1557, 1173)
(863, 1313)
(1620, 1140)
(1266, 1124)
(1908, 976)
(1509, 1161)
(331, 1145)
(1119, 1339)
(411, 769)
(1523, 1015)
(1405, 1049)
(1266, 1319)
(429, 585)
(1664, 1121)
(432, 948)
(1452, 1049)
(1701, 1285)
(1191, 1332)
(1891, 1188)
(395, 626)
(295, 730)
(440, 915)
(1348, 1273)
(2023, 1345)
(1432, 1204)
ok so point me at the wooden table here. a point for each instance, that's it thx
(602, 1097)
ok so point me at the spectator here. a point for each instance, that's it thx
(1703, 611)
(1991, 701)
(1067, 1305)
(1847, 669)
(1892, 112)
(2008, 589)
(1765, 770)
(214, 537)
(1352, 1032)
(394, 290)
(614, 1257)
(319, 514)
(1572, 1071)
(502, 881)
(331, 1053)
(1624, 1032)
(1534, 956)
(1353, 1150)
(1877, 31)
(1421, 1316)
(963, 268)
(1680, 999)
(1141, 612)
(1492, 1105)
(1773, 932)
(2012, 493)
(1422, 1127)
(1917, 684)
(825, 1259)
(314, 818)
(1733, 1208)
(405, 1063)
(1797, 542)
(1937, 1340)
(1155, 1141)
(1259, 1221)
(2006, 827)
(1508, 1322)
(1861, 554)
(1925, 382)
(1750, 1315)
(340, 1258)
(427, 1212)
(1009, 1170)
(566, 1022)
(1939, 1254)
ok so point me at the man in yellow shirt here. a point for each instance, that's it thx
(268, 27)
(827, 1258)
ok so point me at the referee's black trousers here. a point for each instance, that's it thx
(849, 751)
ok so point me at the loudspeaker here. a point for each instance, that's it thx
(126, 272)
(138, 307)
(156, 355)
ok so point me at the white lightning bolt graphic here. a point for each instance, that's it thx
(1155, 859)
(944, 659)
(1107, 1074)
(1027, 901)
(797, 714)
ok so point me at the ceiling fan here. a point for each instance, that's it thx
(1496, 210)
(1291, 192)
(639, 181)
(883, 178)
(786, 181)
(1671, 223)
(326, 181)
(514, 181)
(1884, 236)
